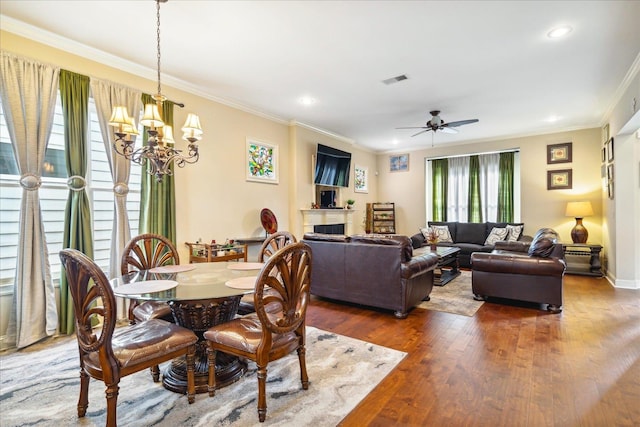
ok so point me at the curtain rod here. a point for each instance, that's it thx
(509, 150)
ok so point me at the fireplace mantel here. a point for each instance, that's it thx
(311, 217)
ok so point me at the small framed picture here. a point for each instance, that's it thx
(605, 133)
(399, 163)
(559, 153)
(604, 154)
(561, 179)
(610, 172)
(261, 162)
(610, 189)
(361, 179)
(610, 150)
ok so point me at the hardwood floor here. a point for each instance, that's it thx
(509, 365)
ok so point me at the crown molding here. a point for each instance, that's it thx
(622, 88)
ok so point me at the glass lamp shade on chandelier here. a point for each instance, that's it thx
(579, 210)
(159, 152)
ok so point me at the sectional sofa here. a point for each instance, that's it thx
(472, 237)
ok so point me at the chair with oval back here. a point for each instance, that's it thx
(145, 252)
(107, 354)
(270, 246)
(268, 335)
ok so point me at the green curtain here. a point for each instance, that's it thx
(505, 188)
(439, 176)
(474, 202)
(157, 199)
(74, 93)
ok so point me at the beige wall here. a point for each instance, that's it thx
(539, 206)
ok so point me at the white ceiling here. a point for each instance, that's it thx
(489, 60)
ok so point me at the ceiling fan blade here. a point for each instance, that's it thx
(422, 131)
(461, 122)
(415, 127)
(446, 129)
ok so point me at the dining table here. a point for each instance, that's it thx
(200, 296)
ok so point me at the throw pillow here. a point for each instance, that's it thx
(496, 235)
(425, 232)
(514, 232)
(442, 231)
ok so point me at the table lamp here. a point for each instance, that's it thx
(579, 210)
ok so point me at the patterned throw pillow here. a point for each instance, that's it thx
(425, 232)
(496, 235)
(442, 231)
(514, 232)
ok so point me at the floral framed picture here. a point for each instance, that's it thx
(399, 163)
(561, 179)
(559, 153)
(361, 179)
(262, 162)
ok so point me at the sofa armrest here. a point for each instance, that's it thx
(419, 264)
(517, 264)
(518, 246)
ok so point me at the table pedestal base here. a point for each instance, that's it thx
(199, 316)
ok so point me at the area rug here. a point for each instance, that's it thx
(41, 388)
(454, 297)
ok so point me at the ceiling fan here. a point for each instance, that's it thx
(437, 124)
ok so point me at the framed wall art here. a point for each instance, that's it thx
(361, 179)
(559, 153)
(605, 133)
(399, 163)
(610, 150)
(261, 162)
(561, 179)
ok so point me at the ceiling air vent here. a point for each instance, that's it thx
(395, 79)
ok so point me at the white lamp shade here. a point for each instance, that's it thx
(167, 134)
(130, 128)
(579, 209)
(119, 116)
(192, 124)
(152, 117)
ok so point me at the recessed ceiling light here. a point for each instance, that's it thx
(553, 119)
(559, 32)
(307, 101)
(395, 142)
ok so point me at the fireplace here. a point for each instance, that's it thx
(330, 218)
(329, 228)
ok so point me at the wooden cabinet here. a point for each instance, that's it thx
(383, 218)
(203, 252)
(583, 259)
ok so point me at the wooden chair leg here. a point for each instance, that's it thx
(304, 378)
(112, 403)
(211, 385)
(262, 398)
(191, 378)
(83, 400)
(155, 373)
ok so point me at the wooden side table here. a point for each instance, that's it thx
(204, 252)
(583, 259)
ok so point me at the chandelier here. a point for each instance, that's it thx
(159, 152)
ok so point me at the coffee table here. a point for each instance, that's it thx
(447, 268)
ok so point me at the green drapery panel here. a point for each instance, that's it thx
(475, 204)
(157, 199)
(74, 94)
(505, 188)
(439, 177)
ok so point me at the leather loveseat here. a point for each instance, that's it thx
(470, 237)
(522, 271)
(373, 270)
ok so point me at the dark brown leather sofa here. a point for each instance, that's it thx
(522, 271)
(378, 271)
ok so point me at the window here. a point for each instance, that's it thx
(457, 178)
(54, 193)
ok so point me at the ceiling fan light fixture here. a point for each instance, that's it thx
(559, 32)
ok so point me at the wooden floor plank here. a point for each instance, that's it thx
(511, 364)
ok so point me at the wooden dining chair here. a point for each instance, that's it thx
(107, 354)
(270, 246)
(265, 336)
(145, 252)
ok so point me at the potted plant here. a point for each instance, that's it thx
(432, 239)
(350, 203)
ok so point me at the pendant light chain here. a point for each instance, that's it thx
(158, 45)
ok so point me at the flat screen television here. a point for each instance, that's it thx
(332, 167)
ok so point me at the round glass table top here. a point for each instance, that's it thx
(207, 280)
